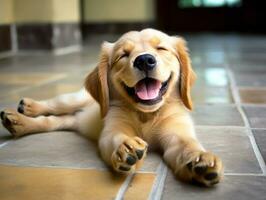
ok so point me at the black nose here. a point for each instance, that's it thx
(145, 62)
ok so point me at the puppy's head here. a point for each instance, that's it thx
(143, 69)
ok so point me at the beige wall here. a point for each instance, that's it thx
(66, 10)
(27, 11)
(6, 12)
(118, 10)
(38, 11)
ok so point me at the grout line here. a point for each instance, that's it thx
(236, 97)
(60, 166)
(4, 144)
(243, 174)
(220, 127)
(124, 186)
(158, 185)
(258, 129)
(52, 166)
(254, 105)
(252, 87)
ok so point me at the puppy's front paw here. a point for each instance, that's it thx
(30, 107)
(13, 122)
(202, 168)
(129, 155)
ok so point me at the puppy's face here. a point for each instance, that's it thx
(143, 68)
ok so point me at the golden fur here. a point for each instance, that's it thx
(124, 127)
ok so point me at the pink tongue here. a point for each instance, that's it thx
(148, 89)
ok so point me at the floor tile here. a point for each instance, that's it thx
(260, 137)
(5, 88)
(256, 116)
(250, 79)
(232, 187)
(28, 183)
(238, 158)
(242, 66)
(140, 187)
(215, 95)
(4, 135)
(217, 115)
(61, 149)
(28, 79)
(48, 62)
(253, 96)
(50, 91)
(151, 162)
(43, 92)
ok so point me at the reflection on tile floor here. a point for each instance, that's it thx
(64, 165)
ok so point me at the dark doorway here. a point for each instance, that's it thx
(212, 15)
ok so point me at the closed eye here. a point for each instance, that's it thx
(118, 58)
(124, 55)
(160, 48)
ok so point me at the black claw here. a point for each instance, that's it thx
(189, 166)
(20, 109)
(211, 176)
(7, 122)
(21, 106)
(21, 102)
(131, 160)
(139, 153)
(2, 115)
(214, 182)
(200, 170)
(124, 168)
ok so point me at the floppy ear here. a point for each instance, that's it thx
(96, 82)
(187, 75)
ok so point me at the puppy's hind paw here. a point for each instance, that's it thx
(13, 122)
(30, 107)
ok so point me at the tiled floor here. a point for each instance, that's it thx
(230, 118)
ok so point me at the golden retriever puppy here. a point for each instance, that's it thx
(138, 95)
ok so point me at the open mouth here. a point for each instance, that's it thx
(148, 91)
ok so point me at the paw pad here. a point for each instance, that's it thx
(131, 160)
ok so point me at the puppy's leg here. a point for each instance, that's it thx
(119, 146)
(62, 104)
(19, 125)
(187, 158)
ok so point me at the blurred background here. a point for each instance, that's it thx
(54, 24)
